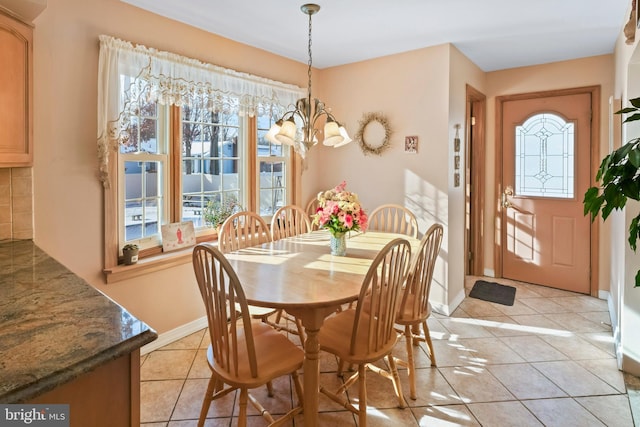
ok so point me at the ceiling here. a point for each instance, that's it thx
(494, 34)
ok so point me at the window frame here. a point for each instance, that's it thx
(243, 153)
(151, 257)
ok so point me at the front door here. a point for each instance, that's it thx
(545, 237)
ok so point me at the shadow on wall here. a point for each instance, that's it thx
(430, 205)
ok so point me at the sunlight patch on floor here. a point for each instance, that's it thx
(445, 417)
(512, 326)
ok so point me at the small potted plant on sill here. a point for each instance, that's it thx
(130, 253)
(217, 211)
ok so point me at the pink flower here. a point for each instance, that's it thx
(348, 221)
(363, 221)
(324, 217)
(340, 188)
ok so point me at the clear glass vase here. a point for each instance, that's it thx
(338, 244)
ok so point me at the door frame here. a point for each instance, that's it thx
(475, 190)
(594, 154)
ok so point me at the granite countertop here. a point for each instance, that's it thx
(54, 326)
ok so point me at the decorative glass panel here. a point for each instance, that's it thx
(544, 157)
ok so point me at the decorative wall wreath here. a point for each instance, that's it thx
(367, 147)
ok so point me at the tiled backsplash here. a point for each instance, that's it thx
(16, 203)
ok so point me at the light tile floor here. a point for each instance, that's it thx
(547, 360)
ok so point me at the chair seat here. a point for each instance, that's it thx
(259, 312)
(335, 337)
(278, 357)
(406, 315)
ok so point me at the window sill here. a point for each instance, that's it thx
(151, 262)
(148, 265)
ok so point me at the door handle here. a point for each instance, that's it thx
(508, 192)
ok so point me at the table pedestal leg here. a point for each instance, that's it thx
(311, 376)
(312, 320)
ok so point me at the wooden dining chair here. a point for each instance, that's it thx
(393, 219)
(244, 354)
(414, 307)
(362, 336)
(311, 209)
(289, 221)
(241, 230)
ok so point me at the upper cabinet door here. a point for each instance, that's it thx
(16, 94)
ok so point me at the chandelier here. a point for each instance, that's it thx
(308, 111)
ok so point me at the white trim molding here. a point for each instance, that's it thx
(175, 334)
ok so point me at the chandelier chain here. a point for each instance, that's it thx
(310, 58)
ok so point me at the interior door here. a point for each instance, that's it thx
(545, 237)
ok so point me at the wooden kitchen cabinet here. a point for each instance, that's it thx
(16, 92)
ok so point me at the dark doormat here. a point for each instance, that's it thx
(494, 292)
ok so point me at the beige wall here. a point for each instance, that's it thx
(411, 90)
(421, 93)
(598, 70)
(68, 208)
(462, 72)
(625, 262)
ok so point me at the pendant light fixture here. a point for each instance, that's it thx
(301, 134)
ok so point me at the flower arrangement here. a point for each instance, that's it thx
(340, 211)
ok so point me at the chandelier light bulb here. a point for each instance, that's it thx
(271, 134)
(332, 134)
(346, 137)
(287, 134)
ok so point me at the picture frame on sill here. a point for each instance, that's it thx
(411, 144)
(178, 235)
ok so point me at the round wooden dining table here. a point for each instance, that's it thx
(299, 275)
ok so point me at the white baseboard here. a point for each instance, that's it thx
(447, 309)
(489, 272)
(613, 315)
(175, 334)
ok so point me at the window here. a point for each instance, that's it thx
(273, 166)
(175, 134)
(213, 159)
(143, 166)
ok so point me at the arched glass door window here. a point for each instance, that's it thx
(544, 157)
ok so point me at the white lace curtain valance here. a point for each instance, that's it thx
(172, 79)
